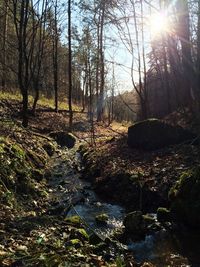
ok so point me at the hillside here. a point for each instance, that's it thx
(42, 182)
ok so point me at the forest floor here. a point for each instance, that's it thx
(33, 229)
(114, 168)
(33, 192)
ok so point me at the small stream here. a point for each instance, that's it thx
(92, 207)
(161, 248)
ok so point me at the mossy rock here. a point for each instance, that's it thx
(74, 220)
(163, 215)
(135, 225)
(74, 243)
(64, 138)
(148, 219)
(79, 234)
(185, 199)
(102, 218)
(14, 169)
(153, 134)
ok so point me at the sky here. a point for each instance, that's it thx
(115, 52)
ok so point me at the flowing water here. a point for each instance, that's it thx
(162, 248)
(93, 207)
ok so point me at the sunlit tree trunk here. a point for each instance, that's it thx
(37, 58)
(69, 67)
(21, 23)
(55, 55)
(102, 64)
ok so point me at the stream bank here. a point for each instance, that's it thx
(40, 183)
(37, 190)
(38, 228)
(139, 180)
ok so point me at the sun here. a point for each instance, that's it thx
(158, 23)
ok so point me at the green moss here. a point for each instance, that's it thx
(148, 219)
(102, 218)
(178, 188)
(185, 198)
(74, 243)
(73, 220)
(83, 233)
(163, 215)
(18, 151)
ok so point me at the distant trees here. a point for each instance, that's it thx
(173, 58)
(169, 79)
(30, 40)
(164, 71)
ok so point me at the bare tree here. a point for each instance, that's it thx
(69, 67)
(38, 42)
(21, 19)
(183, 32)
(101, 61)
(4, 48)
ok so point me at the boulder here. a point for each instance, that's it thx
(135, 225)
(102, 219)
(163, 215)
(185, 199)
(153, 134)
(64, 138)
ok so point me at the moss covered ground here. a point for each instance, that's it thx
(33, 229)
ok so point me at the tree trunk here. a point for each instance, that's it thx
(70, 66)
(198, 59)
(55, 58)
(101, 53)
(25, 109)
(184, 34)
(36, 98)
(5, 35)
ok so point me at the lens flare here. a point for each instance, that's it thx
(158, 23)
